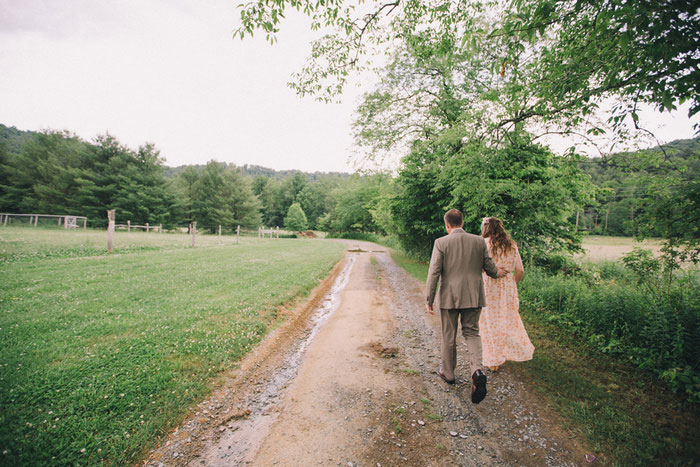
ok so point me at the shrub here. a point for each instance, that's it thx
(386, 240)
(657, 329)
(295, 219)
(555, 263)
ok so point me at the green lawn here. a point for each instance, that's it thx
(102, 353)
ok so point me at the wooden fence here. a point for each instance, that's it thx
(192, 229)
(262, 231)
(148, 227)
(69, 222)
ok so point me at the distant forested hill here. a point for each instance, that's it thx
(12, 139)
(256, 170)
(623, 182)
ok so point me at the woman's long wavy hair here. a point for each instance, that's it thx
(492, 227)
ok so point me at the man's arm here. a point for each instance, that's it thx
(489, 266)
(433, 276)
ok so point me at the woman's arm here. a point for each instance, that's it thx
(519, 269)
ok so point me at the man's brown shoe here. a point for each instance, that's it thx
(442, 376)
(478, 386)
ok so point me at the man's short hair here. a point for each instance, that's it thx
(454, 218)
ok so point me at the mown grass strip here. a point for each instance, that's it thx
(624, 412)
(102, 354)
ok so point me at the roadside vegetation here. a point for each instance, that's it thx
(102, 354)
(618, 359)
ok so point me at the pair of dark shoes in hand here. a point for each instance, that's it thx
(478, 385)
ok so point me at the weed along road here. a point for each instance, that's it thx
(349, 379)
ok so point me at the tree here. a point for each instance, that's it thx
(293, 185)
(295, 219)
(357, 31)
(672, 211)
(557, 59)
(576, 53)
(42, 177)
(5, 184)
(222, 196)
(274, 203)
(184, 185)
(112, 176)
(142, 194)
(354, 202)
(259, 183)
(533, 191)
(316, 199)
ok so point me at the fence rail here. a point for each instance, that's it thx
(69, 222)
(262, 231)
(148, 227)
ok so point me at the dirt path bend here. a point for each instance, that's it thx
(349, 379)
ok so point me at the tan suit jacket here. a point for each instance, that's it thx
(457, 260)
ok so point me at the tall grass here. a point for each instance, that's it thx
(605, 305)
(103, 353)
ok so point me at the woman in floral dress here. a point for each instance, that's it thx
(503, 336)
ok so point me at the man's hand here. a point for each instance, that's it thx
(502, 273)
(429, 309)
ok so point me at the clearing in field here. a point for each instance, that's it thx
(602, 248)
(103, 353)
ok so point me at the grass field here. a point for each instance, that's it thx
(103, 353)
(600, 248)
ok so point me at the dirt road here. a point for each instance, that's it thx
(349, 379)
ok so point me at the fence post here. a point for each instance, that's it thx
(59, 221)
(65, 223)
(219, 231)
(128, 226)
(607, 213)
(193, 229)
(85, 223)
(278, 232)
(110, 230)
(160, 228)
(238, 232)
(148, 227)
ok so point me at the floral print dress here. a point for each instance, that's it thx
(503, 336)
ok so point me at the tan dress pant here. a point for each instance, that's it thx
(469, 317)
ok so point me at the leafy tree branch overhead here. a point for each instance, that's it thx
(355, 33)
(558, 58)
(580, 51)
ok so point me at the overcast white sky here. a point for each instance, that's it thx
(169, 72)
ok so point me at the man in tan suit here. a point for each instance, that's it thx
(457, 260)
